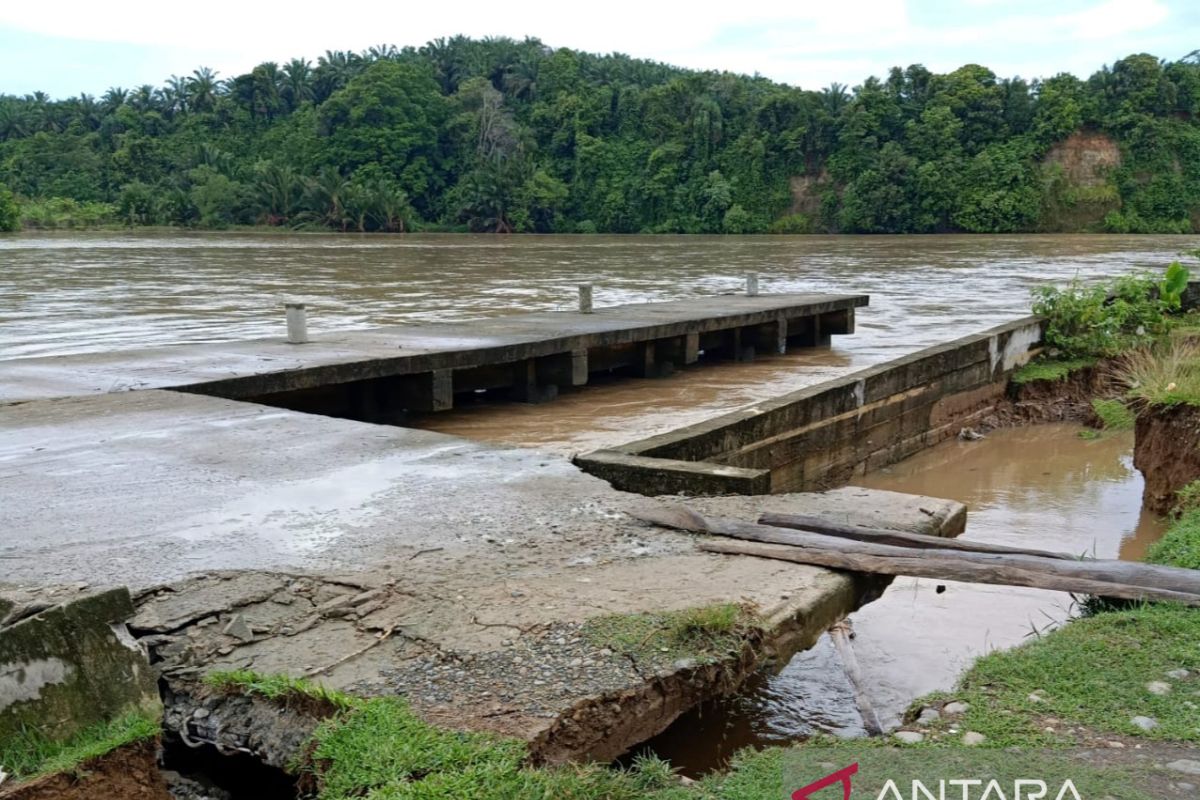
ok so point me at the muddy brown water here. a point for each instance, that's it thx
(1040, 486)
(93, 292)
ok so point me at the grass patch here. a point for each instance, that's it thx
(1094, 671)
(1050, 369)
(1168, 374)
(381, 750)
(30, 754)
(283, 689)
(1114, 415)
(1180, 547)
(706, 633)
(1091, 672)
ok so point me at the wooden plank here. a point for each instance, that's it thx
(920, 564)
(1172, 580)
(804, 522)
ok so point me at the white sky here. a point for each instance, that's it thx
(67, 47)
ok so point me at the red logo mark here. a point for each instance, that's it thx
(842, 776)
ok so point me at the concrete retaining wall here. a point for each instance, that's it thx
(71, 666)
(821, 436)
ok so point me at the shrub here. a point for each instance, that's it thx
(10, 215)
(1102, 320)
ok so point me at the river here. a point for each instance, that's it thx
(88, 292)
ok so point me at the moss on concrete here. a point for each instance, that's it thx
(71, 667)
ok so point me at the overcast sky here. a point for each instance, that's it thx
(65, 48)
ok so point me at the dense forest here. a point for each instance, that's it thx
(514, 136)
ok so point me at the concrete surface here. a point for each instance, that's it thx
(71, 666)
(385, 559)
(821, 436)
(256, 367)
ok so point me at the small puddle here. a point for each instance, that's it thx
(1040, 486)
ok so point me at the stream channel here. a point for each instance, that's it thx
(1040, 486)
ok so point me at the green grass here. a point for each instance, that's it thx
(1168, 374)
(706, 633)
(1094, 671)
(380, 750)
(1114, 415)
(1091, 672)
(1180, 547)
(281, 688)
(31, 754)
(1050, 369)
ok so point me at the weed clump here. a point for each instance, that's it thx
(704, 634)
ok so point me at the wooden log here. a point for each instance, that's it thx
(923, 564)
(840, 634)
(803, 522)
(1128, 573)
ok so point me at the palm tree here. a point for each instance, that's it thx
(325, 197)
(297, 87)
(202, 89)
(143, 98)
(174, 95)
(279, 191)
(114, 98)
(380, 52)
(835, 97)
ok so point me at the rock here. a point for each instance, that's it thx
(1115, 745)
(1158, 687)
(928, 715)
(970, 435)
(973, 739)
(908, 737)
(1178, 674)
(1036, 697)
(238, 629)
(955, 708)
(200, 713)
(1187, 766)
(1145, 723)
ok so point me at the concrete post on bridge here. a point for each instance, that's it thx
(770, 338)
(751, 284)
(297, 322)
(539, 380)
(426, 392)
(585, 298)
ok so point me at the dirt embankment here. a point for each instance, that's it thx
(127, 773)
(1167, 452)
(1067, 399)
(1082, 192)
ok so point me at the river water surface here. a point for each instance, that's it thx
(91, 292)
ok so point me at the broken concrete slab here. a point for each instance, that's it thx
(73, 665)
(483, 647)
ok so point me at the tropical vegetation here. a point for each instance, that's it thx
(502, 135)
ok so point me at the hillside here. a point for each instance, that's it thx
(507, 136)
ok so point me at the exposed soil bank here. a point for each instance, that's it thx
(1167, 452)
(127, 773)
(1067, 399)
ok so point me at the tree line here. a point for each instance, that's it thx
(502, 136)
